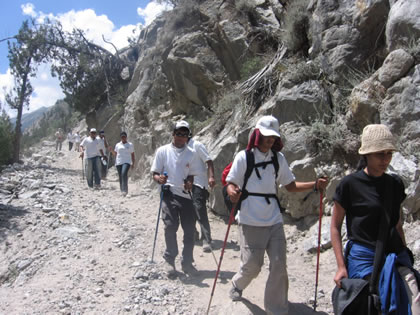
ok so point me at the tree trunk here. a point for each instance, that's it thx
(18, 135)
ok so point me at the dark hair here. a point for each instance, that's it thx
(362, 163)
(123, 134)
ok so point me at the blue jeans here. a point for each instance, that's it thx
(123, 176)
(93, 168)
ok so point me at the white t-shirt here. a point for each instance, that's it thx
(76, 138)
(124, 151)
(255, 210)
(101, 143)
(200, 158)
(178, 164)
(91, 147)
(70, 137)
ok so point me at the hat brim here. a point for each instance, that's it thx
(269, 132)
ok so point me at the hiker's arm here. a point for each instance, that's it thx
(320, 184)
(335, 230)
(400, 230)
(160, 178)
(233, 191)
(133, 160)
(210, 173)
(82, 151)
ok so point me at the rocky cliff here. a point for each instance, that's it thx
(324, 68)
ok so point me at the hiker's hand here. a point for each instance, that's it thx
(81, 154)
(162, 179)
(188, 185)
(340, 274)
(234, 193)
(212, 182)
(322, 183)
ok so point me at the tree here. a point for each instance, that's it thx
(6, 134)
(27, 50)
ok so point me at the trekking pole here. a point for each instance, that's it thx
(205, 230)
(158, 217)
(319, 247)
(83, 169)
(231, 219)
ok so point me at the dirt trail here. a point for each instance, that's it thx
(90, 254)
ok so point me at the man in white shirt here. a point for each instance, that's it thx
(202, 181)
(124, 160)
(93, 149)
(76, 141)
(58, 139)
(176, 161)
(259, 217)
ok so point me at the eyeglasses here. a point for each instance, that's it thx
(181, 134)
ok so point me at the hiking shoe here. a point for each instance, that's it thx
(189, 269)
(207, 247)
(169, 269)
(235, 294)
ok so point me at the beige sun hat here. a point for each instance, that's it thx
(376, 138)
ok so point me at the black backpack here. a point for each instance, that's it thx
(250, 167)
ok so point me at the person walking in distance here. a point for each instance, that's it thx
(105, 148)
(124, 160)
(93, 149)
(76, 142)
(59, 137)
(200, 194)
(70, 139)
(176, 160)
(259, 217)
(365, 198)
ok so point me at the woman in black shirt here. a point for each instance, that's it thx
(359, 197)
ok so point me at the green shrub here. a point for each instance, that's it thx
(6, 138)
(296, 24)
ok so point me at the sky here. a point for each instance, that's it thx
(113, 19)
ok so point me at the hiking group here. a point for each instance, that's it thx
(184, 170)
(375, 271)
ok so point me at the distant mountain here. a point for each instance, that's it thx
(30, 118)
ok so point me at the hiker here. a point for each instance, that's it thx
(176, 160)
(94, 151)
(363, 198)
(259, 218)
(76, 142)
(58, 139)
(105, 147)
(124, 160)
(200, 194)
(70, 139)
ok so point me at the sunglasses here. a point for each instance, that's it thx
(181, 134)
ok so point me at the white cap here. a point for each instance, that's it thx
(182, 124)
(93, 130)
(268, 126)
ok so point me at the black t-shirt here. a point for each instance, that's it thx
(360, 195)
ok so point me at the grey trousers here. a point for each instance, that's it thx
(199, 201)
(174, 210)
(254, 242)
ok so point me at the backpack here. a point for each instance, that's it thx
(250, 167)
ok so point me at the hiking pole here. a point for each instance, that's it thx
(319, 246)
(231, 219)
(158, 217)
(83, 169)
(205, 230)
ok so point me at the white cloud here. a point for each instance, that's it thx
(152, 10)
(28, 9)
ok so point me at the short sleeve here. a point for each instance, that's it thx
(341, 193)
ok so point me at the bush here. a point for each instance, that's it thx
(6, 138)
(296, 24)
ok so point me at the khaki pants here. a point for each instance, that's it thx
(411, 288)
(254, 242)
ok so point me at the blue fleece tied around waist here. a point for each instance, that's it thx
(391, 287)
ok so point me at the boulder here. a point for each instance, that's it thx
(403, 25)
(395, 66)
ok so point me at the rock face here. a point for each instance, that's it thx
(349, 72)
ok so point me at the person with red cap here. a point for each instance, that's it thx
(259, 218)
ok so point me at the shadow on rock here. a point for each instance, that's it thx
(7, 213)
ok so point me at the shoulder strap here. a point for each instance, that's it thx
(250, 162)
(384, 227)
(276, 162)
